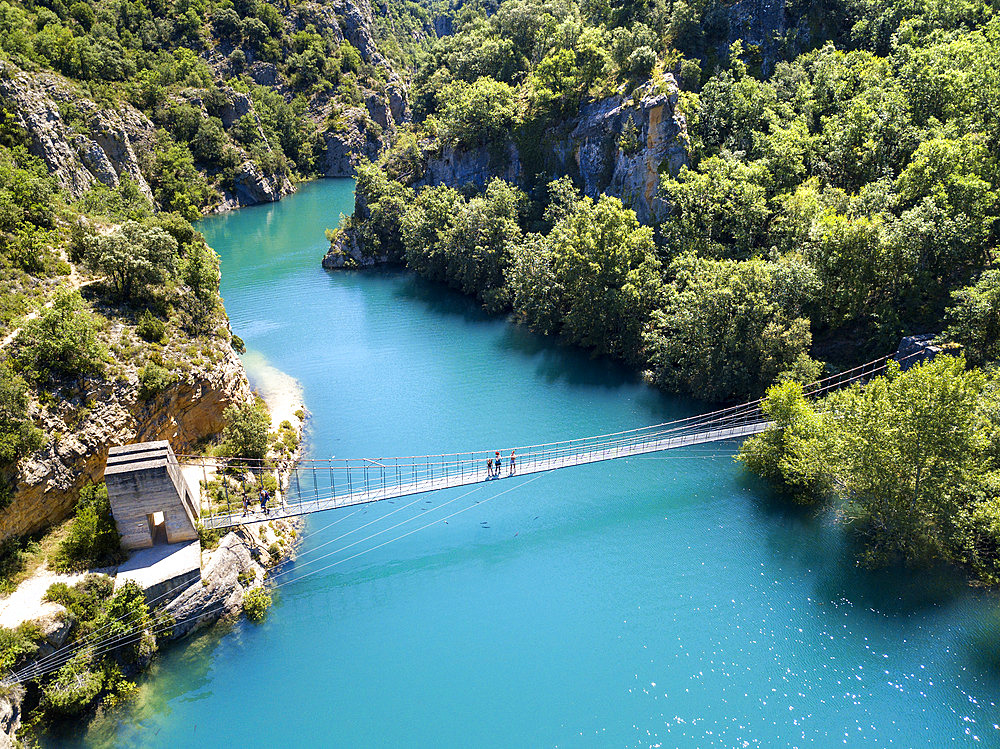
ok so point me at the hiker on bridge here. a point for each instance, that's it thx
(513, 465)
(496, 463)
(489, 468)
(264, 496)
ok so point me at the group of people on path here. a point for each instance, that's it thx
(495, 464)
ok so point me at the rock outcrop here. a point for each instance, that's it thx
(48, 482)
(98, 145)
(619, 146)
(238, 563)
(10, 715)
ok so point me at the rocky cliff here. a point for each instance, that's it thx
(84, 143)
(619, 145)
(113, 413)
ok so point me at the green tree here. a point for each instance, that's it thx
(18, 435)
(478, 113)
(246, 430)
(606, 263)
(62, 341)
(93, 539)
(134, 257)
(906, 446)
(792, 453)
(975, 319)
(729, 329)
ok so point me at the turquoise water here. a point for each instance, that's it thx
(648, 602)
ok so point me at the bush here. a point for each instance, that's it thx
(18, 435)
(93, 539)
(74, 687)
(85, 601)
(61, 342)
(151, 329)
(246, 430)
(134, 257)
(256, 602)
(154, 379)
(17, 644)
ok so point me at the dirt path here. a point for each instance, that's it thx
(25, 604)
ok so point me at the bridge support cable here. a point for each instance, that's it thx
(36, 670)
(364, 480)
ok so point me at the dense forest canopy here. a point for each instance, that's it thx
(838, 192)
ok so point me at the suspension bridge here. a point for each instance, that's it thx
(327, 484)
(357, 482)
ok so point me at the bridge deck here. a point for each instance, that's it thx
(474, 472)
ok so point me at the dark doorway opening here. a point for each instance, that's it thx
(157, 528)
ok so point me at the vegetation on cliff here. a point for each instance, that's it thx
(828, 206)
(912, 458)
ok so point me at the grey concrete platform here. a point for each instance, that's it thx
(163, 568)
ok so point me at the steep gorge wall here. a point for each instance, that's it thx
(619, 145)
(48, 482)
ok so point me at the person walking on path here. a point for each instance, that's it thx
(246, 503)
(513, 465)
(263, 501)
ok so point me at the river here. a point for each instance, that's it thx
(665, 601)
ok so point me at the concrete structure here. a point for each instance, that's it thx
(162, 569)
(151, 501)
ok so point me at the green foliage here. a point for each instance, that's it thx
(154, 379)
(61, 342)
(907, 448)
(127, 610)
(256, 602)
(18, 645)
(93, 539)
(791, 454)
(134, 257)
(465, 243)
(605, 264)
(18, 434)
(74, 687)
(246, 430)
(478, 112)
(151, 328)
(85, 601)
(14, 554)
(912, 455)
(730, 328)
(975, 319)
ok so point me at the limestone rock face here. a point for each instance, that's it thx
(102, 150)
(10, 715)
(357, 138)
(48, 482)
(619, 146)
(237, 564)
(219, 592)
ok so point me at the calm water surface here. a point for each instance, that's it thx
(650, 602)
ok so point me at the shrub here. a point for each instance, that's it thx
(74, 687)
(246, 430)
(18, 435)
(61, 342)
(154, 379)
(134, 257)
(256, 602)
(151, 329)
(17, 644)
(93, 539)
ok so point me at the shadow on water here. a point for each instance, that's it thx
(436, 297)
(813, 540)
